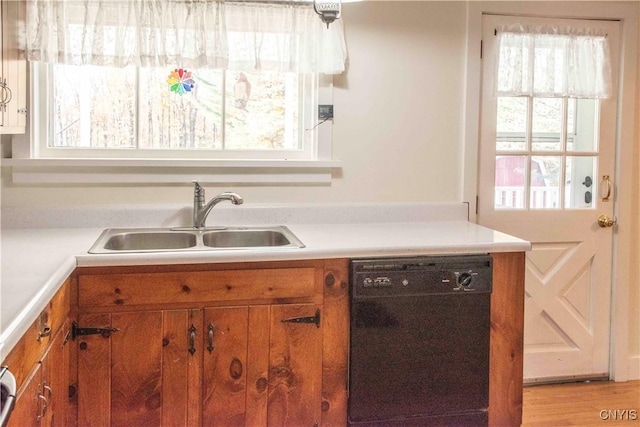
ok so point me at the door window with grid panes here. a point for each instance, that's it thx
(546, 152)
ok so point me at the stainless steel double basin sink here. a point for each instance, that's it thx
(118, 240)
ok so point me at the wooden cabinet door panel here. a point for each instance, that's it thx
(335, 343)
(28, 404)
(178, 373)
(55, 380)
(136, 369)
(224, 368)
(143, 374)
(258, 365)
(94, 373)
(295, 367)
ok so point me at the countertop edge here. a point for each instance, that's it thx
(20, 325)
(116, 260)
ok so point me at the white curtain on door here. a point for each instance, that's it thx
(284, 36)
(547, 61)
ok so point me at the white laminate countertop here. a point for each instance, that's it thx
(37, 261)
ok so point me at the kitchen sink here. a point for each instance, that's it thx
(145, 241)
(119, 240)
(245, 238)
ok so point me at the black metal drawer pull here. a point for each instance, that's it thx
(192, 339)
(210, 331)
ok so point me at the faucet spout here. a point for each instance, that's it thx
(201, 209)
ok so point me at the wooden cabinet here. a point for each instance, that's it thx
(13, 68)
(44, 396)
(237, 344)
(251, 344)
(507, 345)
(40, 362)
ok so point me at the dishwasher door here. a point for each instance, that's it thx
(419, 357)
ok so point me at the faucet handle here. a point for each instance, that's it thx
(198, 190)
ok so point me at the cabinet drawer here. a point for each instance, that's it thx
(35, 341)
(116, 290)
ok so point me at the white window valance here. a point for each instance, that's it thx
(287, 36)
(552, 61)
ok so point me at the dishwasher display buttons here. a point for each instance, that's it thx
(378, 282)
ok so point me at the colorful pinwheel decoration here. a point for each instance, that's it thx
(180, 81)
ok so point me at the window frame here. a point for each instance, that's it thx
(308, 110)
(29, 166)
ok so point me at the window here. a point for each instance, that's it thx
(108, 95)
(135, 112)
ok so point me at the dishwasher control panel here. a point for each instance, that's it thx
(421, 276)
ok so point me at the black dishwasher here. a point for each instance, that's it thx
(419, 341)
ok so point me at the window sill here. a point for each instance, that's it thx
(165, 171)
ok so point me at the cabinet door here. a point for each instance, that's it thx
(55, 380)
(28, 409)
(13, 69)
(43, 399)
(94, 373)
(295, 366)
(182, 368)
(225, 366)
(140, 374)
(259, 370)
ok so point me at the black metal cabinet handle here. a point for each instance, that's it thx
(311, 319)
(192, 340)
(210, 331)
(77, 331)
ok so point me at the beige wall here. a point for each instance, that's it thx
(398, 126)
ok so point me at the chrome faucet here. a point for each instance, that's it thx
(201, 210)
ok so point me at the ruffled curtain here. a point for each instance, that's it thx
(552, 62)
(283, 36)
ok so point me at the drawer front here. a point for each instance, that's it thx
(35, 341)
(117, 290)
(57, 312)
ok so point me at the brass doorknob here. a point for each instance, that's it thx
(604, 221)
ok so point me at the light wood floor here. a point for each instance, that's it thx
(597, 403)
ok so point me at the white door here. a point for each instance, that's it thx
(545, 175)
